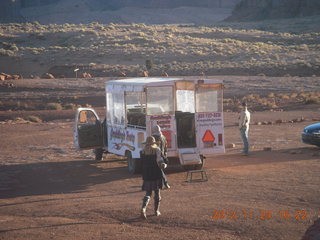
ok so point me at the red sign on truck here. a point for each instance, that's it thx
(208, 137)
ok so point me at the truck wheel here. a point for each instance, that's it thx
(134, 164)
(98, 154)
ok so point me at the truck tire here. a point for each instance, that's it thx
(134, 164)
(98, 154)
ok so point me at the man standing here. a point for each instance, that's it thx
(162, 144)
(244, 121)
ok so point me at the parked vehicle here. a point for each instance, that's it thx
(189, 112)
(311, 134)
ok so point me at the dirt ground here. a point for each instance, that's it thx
(50, 191)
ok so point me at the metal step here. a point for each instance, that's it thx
(189, 156)
(203, 178)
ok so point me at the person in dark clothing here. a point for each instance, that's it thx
(152, 163)
(162, 144)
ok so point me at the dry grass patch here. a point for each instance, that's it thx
(33, 119)
(192, 47)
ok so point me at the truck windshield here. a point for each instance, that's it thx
(160, 100)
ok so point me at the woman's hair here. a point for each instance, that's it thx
(150, 149)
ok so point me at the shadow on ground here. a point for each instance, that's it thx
(232, 159)
(55, 177)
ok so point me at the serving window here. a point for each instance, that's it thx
(160, 100)
(135, 109)
(208, 99)
(115, 108)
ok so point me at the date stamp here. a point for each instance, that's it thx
(260, 214)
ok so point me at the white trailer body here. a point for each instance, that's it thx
(189, 112)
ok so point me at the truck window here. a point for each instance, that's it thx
(136, 109)
(185, 101)
(87, 117)
(209, 99)
(115, 108)
(160, 100)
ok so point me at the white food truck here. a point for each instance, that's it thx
(188, 110)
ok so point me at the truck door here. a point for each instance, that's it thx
(185, 119)
(209, 119)
(185, 123)
(88, 130)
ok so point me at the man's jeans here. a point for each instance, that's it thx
(244, 135)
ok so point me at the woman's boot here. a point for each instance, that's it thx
(145, 202)
(157, 199)
(157, 208)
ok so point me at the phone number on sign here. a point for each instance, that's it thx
(262, 214)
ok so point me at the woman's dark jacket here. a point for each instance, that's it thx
(150, 168)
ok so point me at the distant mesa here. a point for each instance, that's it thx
(252, 10)
(127, 11)
(105, 11)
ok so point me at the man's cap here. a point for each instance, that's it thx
(156, 130)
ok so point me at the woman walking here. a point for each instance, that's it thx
(152, 163)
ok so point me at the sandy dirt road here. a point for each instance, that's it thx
(50, 191)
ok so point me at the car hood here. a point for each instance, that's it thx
(312, 127)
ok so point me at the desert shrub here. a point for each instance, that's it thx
(272, 105)
(261, 74)
(227, 100)
(10, 105)
(149, 64)
(312, 100)
(54, 106)
(302, 94)
(9, 46)
(38, 36)
(18, 119)
(293, 95)
(251, 97)
(34, 119)
(271, 95)
(6, 53)
(70, 106)
(92, 32)
(284, 96)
